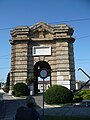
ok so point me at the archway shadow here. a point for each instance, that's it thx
(37, 67)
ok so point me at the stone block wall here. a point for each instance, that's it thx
(61, 60)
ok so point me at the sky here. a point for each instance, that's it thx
(75, 13)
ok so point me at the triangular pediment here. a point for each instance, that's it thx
(41, 30)
(42, 25)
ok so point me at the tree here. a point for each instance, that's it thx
(0, 85)
(8, 80)
(30, 79)
(7, 86)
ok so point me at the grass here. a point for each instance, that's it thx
(46, 117)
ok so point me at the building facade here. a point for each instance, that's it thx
(43, 46)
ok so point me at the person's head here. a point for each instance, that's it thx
(30, 101)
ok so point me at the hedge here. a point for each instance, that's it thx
(20, 89)
(58, 95)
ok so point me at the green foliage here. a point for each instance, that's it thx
(84, 94)
(0, 85)
(64, 117)
(30, 80)
(6, 89)
(77, 99)
(20, 89)
(58, 94)
(7, 86)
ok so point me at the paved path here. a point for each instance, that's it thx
(9, 105)
(68, 111)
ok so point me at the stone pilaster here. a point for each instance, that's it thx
(60, 61)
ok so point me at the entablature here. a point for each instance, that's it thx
(41, 32)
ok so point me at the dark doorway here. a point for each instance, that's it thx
(39, 65)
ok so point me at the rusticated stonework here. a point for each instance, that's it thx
(43, 42)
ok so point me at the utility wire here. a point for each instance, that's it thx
(4, 55)
(83, 37)
(4, 67)
(5, 58)
(73, 20)
(83, 59)
(6, 28)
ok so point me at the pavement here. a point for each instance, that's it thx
(9, 105)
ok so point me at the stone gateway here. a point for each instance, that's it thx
(43, 46)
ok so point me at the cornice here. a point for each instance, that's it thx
(42, 31)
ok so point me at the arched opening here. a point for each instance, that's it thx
(38, 85)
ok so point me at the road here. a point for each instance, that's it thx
(9, 105)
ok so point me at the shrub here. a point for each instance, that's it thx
(58, 94)
(84, 94)
(86, 97)
(77, 99)
(6, 89)
(20, 89)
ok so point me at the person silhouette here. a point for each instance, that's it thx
(29, 112)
